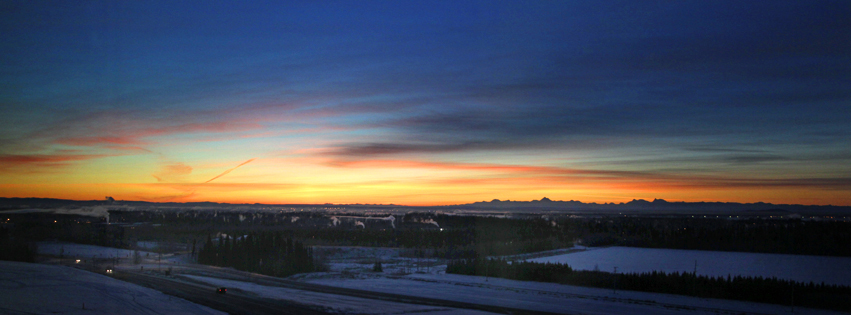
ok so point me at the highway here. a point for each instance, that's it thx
(240, 302)
(235, 302)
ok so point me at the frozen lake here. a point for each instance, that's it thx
(830, 270)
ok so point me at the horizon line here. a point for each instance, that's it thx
(441, 205)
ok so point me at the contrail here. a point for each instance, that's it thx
(230, 170)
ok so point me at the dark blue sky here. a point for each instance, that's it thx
(731, 100)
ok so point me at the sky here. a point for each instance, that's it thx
(426, 102)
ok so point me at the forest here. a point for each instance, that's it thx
(265, 253)
(456, 237)
(15, 248)
(755, 289)
(464, 235)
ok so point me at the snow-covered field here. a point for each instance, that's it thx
(46, 289)
(351, 267)
(82, 251)
(830, 270)
(147, 245)
(353, 260)
(549, 297)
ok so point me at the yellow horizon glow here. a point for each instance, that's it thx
(300, 180)
(407, 194)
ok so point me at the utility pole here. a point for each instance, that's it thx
(793, 296)
(615, 281)
(487, 266)
(694, 279)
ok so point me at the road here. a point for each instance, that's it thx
(234, 302)
(241, 303)
(244, 302)
(400, 298)
(606, 302)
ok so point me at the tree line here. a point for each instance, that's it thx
(16, 248)
(755, 289)
(529, 233)
(458, 237)
(268, 253)
(780, 236)
(464, 235)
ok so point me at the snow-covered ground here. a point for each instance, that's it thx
(830, 270)
(46, 289)
(71, 250)
(351, 267)
(551, 297)
(125, 256)
(147, 245)
(350, 261)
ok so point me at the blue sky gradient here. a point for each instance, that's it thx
(686, 100)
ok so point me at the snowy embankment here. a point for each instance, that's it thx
(801, 268)
(82, 251)
(351, 268)
(330, 302)
(46, 289)
(549, 297)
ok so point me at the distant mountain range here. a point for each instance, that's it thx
(657, 206)
(636, 206)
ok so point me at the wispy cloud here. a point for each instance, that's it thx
(484, 167)
(186, 191)
(230, 170)
(172, 171)
(378, 149)
(138, 136)
(542, 175)
(44, 160)
(824, 183)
